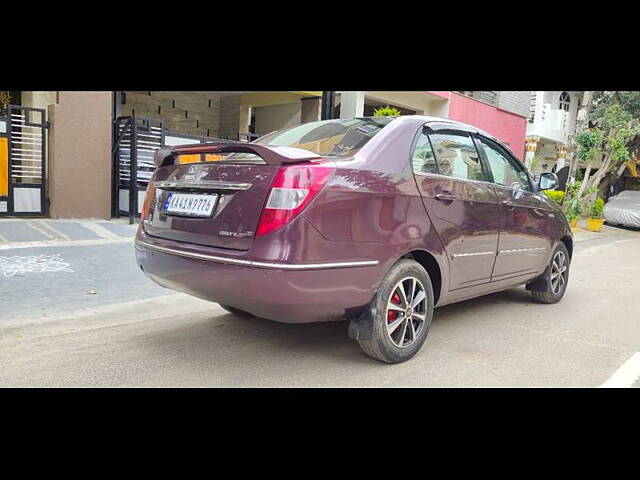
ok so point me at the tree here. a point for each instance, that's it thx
(612, 140)
(607, 129)
(629, 101)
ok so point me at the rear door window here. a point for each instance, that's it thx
(424, 161)
(457, 156)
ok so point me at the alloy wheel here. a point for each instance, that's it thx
(406, 312)
(558, 272)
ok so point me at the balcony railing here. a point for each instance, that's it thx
(552, 123)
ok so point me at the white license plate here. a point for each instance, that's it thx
(190, 205)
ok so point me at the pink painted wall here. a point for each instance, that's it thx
(507, 127)
(440, 94)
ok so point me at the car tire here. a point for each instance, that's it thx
(394, 339)
(556, 277)
(235, 311)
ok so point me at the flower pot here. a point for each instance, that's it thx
(594, 224)
(573, 223)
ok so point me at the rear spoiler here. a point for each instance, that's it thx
(272, 155)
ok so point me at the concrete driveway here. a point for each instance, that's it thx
(99, 322)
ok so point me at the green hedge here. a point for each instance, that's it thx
(555, 195)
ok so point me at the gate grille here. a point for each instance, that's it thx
(136, 141)
(24, 129)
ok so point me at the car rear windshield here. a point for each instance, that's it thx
(329, 137)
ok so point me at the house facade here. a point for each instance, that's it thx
(67, 154)
(500, 113)
(550, 126)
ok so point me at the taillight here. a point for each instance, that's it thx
(148, 201)
(292, 190)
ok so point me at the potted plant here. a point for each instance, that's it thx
(595, 220)
(572, 216)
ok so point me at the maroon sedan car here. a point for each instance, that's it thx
(372, 220)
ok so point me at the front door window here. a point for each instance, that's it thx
(503, 170)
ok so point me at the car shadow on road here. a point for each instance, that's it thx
(234, 344)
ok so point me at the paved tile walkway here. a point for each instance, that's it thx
(42, 232)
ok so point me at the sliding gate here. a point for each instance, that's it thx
(23, 162)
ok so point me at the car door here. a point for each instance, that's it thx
(460, 202)
(524, 243)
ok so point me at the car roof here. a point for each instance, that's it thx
(428, 119)
(442, 123)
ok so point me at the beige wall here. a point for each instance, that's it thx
(194, 113)
(38, 99)
(229, 116)
(80, 155)
(269, 119)
(310, 109)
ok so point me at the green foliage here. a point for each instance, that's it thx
(535, 161)
(597, 208)
(386, 112)
(555, 195)
(589, 143)
(629, 101)
(612, 141)
(5, 100)
(620, 128)
(572, 206)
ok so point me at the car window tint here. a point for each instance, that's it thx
(457, 156)
(423, 159)
(503, 170)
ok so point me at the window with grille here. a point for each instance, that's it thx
(565, 101)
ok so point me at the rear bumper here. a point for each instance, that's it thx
(288, 293)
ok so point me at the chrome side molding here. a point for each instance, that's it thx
(475, 254)
(522, 250)
(254, 263)
(202, 185)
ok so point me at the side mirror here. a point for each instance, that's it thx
(548, 181)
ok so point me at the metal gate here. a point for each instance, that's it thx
(23, 162)
(135, 141)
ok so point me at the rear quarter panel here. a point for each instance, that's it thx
(372, 203)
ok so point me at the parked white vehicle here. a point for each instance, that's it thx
(623, 209)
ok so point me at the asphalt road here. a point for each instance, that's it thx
(99, 322)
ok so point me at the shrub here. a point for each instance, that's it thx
(555, 195)
(572, 206)
(597, 208)
(386, 112)
(5, 100)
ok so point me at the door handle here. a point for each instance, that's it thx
(445, 197)
(507, 204)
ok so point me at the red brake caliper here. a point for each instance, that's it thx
(393, 314)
